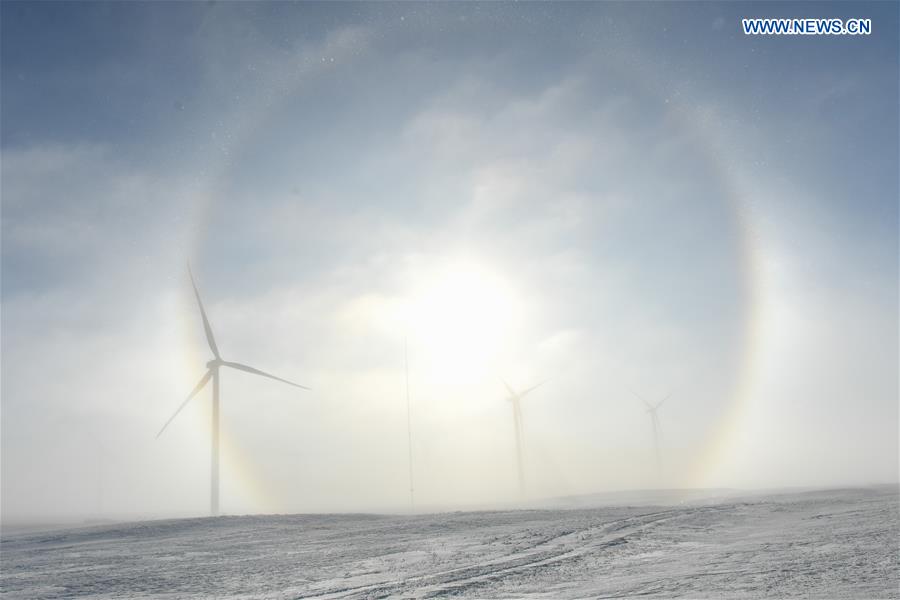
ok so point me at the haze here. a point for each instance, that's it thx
(618, 199)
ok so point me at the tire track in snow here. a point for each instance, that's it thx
(561, 548)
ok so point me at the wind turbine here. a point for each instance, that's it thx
(212, 372)
(652, 408)
(515, 398)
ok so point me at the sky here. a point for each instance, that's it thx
(627, 202)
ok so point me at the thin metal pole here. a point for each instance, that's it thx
(412, 504)
(100, 464)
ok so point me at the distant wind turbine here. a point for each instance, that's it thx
(515, 398)
(652, 408)
(213, 373)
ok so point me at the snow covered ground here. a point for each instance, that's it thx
(829, 544)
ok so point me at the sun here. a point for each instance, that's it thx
(460, 318)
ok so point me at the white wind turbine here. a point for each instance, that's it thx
(652, 408)
(515, 398)
(213, 373)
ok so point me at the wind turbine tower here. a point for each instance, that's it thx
(516, 398)
(212, 372)
(654, 419)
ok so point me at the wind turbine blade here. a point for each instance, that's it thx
(532, 388)
(209, 334)
(641, 398)
(197, 388)
(241, 367)
(509, 389)
(658, 404)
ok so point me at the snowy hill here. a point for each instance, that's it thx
(837, 544)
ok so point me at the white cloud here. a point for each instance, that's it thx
(590, 215)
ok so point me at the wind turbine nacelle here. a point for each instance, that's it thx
(213, 363)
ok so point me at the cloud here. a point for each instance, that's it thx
(319, 199)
